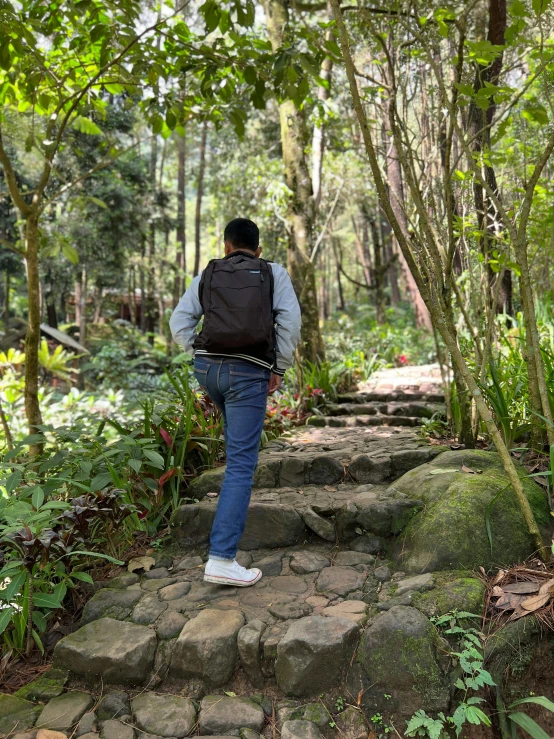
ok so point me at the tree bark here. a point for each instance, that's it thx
(7, 303)
(301, 212)
(199, 193)
(318, 140)
(32, 337)
(83, 308)
(181, 233)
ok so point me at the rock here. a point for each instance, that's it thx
(91, 735)
(319, 525)
(460, 594)
(113, 705)
(87, 724)
(418, 583)
(248, 643)
(172, 592)
(316, 713)
(208, 482)
(351, 559)
(287, 611)
(383, 574)
(29, 735)
(170, 624)
(225, 715)
(113, 729)
(64, 711)
(120, 582)
(164, 715)
(157, 573)
(244, 559)
(364, 468)
(267, 525)
(16, 714)
(207, 646)
(50, 734)
(407, 459)
(49, 685)
(248, 734)
(292, 472)
(271, 565)
(351, 724)
(300, 730)
(304, 562)
(325, 470)
(340, 580)
(264, 702)
(116, 651)
(449, 533)
(413, 678)
(148, 609)
(387, 517)
(153, 586)
(367, 544)
(108, 603)
(267, 474)
(351, 610)
(289, 584)
(269, 641)
(313, 653)
(188, 563)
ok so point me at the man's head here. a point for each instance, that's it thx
(243, 234)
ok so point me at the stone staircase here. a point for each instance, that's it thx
(320, 629)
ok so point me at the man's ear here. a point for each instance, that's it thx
(228, 247)
(258, 251)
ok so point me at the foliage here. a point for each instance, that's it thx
(42, 552)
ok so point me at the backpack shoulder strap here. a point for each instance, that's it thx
(271, 279)
(205, 280)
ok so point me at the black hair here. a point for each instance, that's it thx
(242, 233)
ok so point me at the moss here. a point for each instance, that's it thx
(450, 532)
(46, 687)
(451, 593)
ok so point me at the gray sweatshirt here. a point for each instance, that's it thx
(286, 310)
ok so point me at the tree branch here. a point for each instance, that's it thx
(12, 247)
(11, 181)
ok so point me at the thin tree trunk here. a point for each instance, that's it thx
(150, 306)
(83, 310)
(432, 304)
(181, 232)
(340, 294)
(378, 273)
(301, 212)
(318, 140)
(6, 427)
(199, 193)
(32, 337)
(7, 303)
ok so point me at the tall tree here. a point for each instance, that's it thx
(199, 195)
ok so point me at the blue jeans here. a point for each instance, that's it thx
(239, 390)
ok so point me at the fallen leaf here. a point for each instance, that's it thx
(230, 693)
(49, 734)
(547, 587)
(521, 587)
(440, 472)
(497, 591)
(141, 563)
(212, 495)
(535, 602)
(542, 481)
(518, 613)
(499, 576)
(467, 469)
(300, 492)
(329, 489)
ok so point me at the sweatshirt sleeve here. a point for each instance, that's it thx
(288, 319)
(186, 317)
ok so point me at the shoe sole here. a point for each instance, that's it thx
(229, 581)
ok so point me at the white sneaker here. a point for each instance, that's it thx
(229, 572)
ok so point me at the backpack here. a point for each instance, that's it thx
(236, 294)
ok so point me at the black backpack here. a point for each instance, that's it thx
(236, 294)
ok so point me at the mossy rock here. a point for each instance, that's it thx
(450, 531)
(208, 482)
(452, 592)
(46, 687)
(16, 714)
(400, 654)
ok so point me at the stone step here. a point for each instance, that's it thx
(365, 421)
(325, 456)
(388, 396)
(337, 512)
(417, 409)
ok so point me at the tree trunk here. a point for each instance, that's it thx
(340, 294)
(301, 211)
(83, 308)
(199, 193)
(181, 232)
(7, 303)
(318, 140)
(379, 269)
(150, 307)
(32, 337)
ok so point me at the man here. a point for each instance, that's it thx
(250, 331)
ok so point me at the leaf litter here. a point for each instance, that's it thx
(521, 591)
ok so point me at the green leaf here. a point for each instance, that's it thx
(46, 600)
(86, 126)
(527, 724)
(39, 620)
(539, 6)
(37, 498)
(5, 618)
(540, 700)
(155, 458)
(517, 8)
(13, 481)
(107, 557)
(100, 481)
(82, 576)
(14, 587)
(135, 464)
